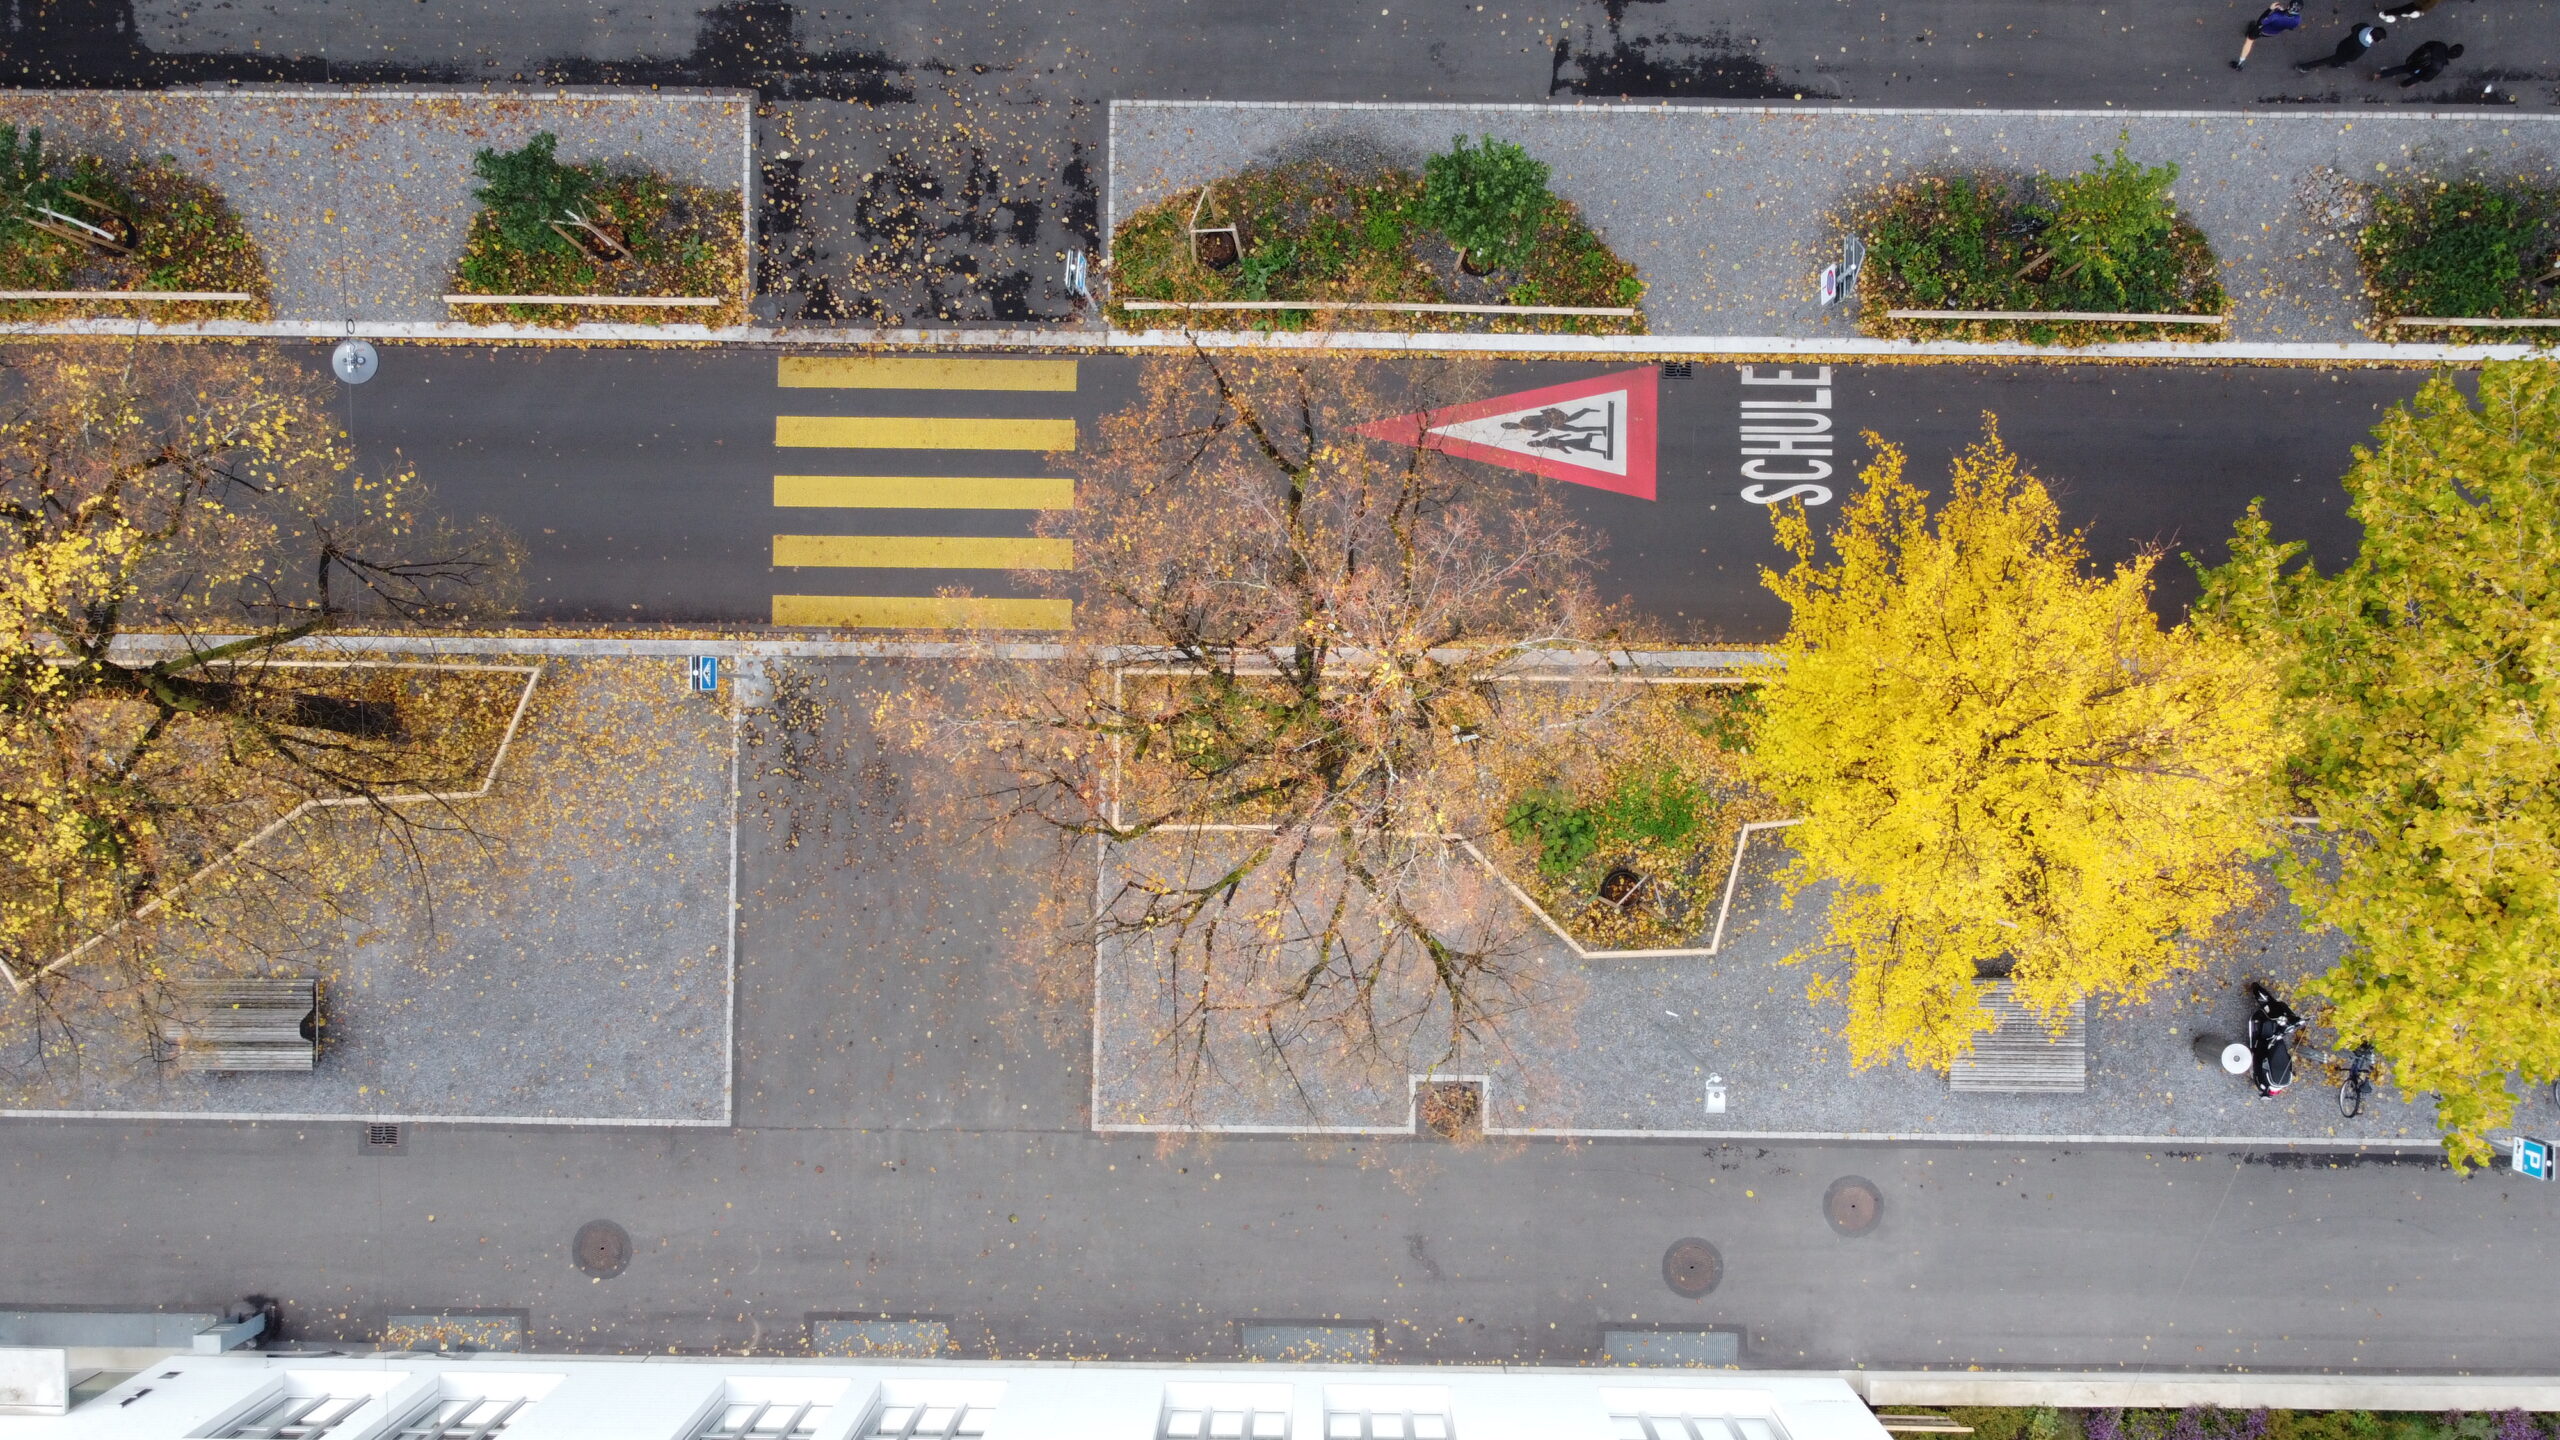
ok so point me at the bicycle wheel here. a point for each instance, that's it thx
(2351, 1093)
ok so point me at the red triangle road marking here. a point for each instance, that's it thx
(1597, 432)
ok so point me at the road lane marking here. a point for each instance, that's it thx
(918, 432)
(925, 552)
(924, 492)
(923, 372)
(922, 612)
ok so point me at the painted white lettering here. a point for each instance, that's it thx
(1784, 377)
(1802, 422)
(1788, 445)
(1814, 470)
(1821, 401)
(1809, 494)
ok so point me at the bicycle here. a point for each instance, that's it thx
(2358, 1082)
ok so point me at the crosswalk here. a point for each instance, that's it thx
(891, 502)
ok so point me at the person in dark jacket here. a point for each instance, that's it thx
(2424, 63)
(2280, 16)
(2350, 50)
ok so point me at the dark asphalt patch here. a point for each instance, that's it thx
(1692, 1267)
(1853, 1205)
(601, 1249)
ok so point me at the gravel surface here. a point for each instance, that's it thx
(576, 969)
(1630, 1053)
(361, 200)
(1728, 212)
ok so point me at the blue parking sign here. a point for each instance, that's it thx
(704, 670)
(2532, 1159)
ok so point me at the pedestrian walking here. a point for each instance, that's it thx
(2424, 63)
(2281, 15)
(2409, 10)
(2349, 51)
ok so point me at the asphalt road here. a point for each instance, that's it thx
(642, 480)
(911, 1141)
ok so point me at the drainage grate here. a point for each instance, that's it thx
(382, 1140)
(1679, 369)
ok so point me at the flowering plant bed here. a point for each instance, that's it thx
(2207, 1422)
(2462, 249)
(1626, 840)
(548, 228)
(158, 229)
(2107, 241)
(1310, 231)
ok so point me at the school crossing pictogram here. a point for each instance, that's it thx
(1598, 432)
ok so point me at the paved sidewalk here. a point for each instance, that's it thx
(576, 969)
(1730, 212)
(1631, 1043)
(361, 199)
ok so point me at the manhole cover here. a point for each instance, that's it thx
(1853, 1205)
(1691, 1267)
(602, 1248)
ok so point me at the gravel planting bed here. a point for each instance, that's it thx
(360, 200)
(1729, 213)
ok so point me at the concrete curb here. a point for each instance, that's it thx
(1562, 347)
(782, 648)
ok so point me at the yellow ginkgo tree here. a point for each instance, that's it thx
(2001, 756)
(2424, 681)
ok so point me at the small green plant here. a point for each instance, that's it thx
(529, 193)
(27, 179)
(1659, 807)
(1566, 834)
(1255, 272)
(1488, 199)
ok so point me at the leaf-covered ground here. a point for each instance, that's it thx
(185, 237)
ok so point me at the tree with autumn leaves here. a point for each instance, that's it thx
(2004, 759)
(2421, 685)
(173, 519)
(1289, 688)
(2001, 759)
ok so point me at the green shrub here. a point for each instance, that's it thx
(2461, 249)
(1489, 200)
(2099, 221)
(1318, 233)
(27, 179)
(1566, 834)
(528, 190)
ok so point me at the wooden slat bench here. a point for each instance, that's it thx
(2021, 1054)
(226, 1025)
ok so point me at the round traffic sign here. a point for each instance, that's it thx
(353, 361)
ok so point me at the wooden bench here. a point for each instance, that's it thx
(2022, 1054)
(229, 1025)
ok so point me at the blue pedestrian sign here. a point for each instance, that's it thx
(2532, 1159)
(704, 671)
